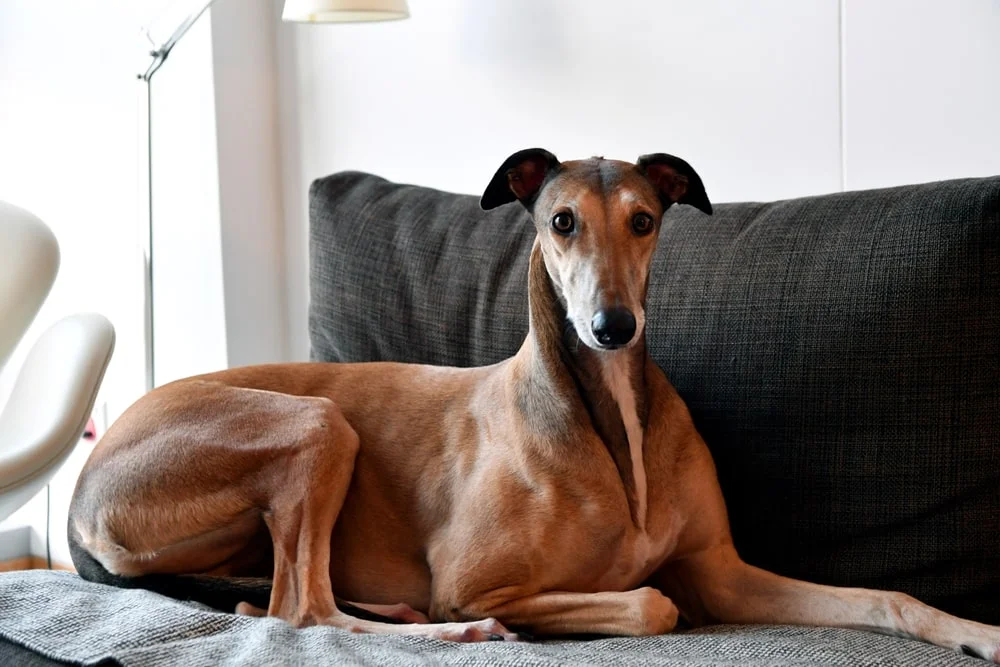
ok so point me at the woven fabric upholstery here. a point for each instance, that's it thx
(59, 616)
(400, 273)
(840, 355)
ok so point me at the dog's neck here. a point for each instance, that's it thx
(567, 385)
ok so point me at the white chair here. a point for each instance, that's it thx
(54, 392)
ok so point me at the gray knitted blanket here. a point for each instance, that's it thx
(63, 617)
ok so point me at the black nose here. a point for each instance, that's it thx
(614, 326)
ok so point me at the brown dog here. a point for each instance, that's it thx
(564, 490)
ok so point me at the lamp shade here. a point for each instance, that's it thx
(344, 11)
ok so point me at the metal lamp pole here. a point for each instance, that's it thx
(306, 11)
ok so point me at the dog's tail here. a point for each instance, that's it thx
(222, 593)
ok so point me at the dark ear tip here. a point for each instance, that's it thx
(704, 206)
(494, 196)
(699, 202)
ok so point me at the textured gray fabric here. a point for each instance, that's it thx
(14, 654)
(401, 273)
(61, 616)
(840, 354)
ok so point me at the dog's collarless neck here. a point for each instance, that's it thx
(574, 381)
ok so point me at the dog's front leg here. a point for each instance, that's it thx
(642, 612)
(721, 587)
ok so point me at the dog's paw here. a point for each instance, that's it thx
(656, 612)
(247, 609)
(980, 649)
(488, 629)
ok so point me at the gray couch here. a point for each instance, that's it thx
(840, 354)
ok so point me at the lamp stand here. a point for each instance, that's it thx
(159, 55)
(311, 11)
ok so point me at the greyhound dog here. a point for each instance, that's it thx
(562, 491)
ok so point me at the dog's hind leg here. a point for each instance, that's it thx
(192, 491)
(198, 475)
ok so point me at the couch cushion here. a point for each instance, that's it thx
(840, 355)
(59, 616)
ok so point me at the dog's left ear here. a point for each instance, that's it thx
(520, 178)
(675, 181)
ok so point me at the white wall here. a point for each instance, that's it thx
(922, 90)
(249, 164)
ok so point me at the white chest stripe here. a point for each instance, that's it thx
(616, 376)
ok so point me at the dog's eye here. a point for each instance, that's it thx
(642, 224)
(563, 223)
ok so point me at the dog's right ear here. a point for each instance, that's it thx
(520, 178)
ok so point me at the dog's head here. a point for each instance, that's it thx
(598, 221)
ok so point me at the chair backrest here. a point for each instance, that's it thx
(29, 261)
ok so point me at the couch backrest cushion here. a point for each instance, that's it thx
(840, 355)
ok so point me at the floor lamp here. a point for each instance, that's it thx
(303, 11)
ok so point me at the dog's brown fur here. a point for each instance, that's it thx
(564, 490)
